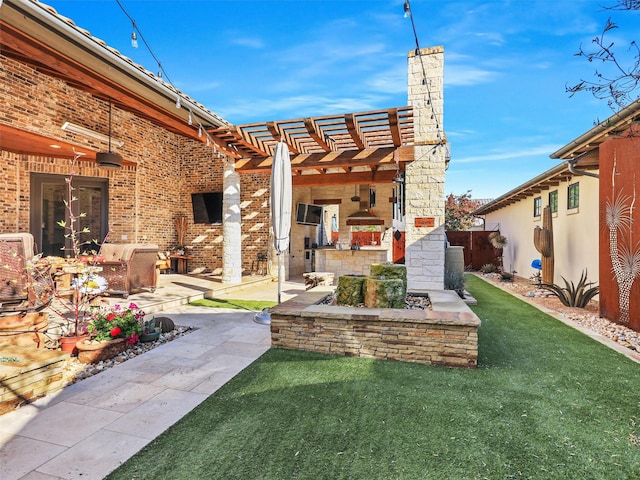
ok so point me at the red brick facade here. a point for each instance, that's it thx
(161, 169)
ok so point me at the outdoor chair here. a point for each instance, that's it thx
(128, 267)
(25, 284)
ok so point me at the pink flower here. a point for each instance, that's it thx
(133, 338)
(115, 331)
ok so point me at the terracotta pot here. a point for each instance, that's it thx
(68, 343)
(94, 352)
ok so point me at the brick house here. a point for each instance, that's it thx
(596, 224)
(65, 93)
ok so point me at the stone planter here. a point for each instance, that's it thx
(90, 351)
(24, 330)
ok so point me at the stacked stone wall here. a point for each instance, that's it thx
(429, 336)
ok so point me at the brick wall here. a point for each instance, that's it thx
(147, 194)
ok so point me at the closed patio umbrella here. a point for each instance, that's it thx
(281, 199)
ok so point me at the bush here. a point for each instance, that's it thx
(454, 281)
(488, 268)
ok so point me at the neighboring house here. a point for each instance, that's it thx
(65, 92)
(596, 224)
(517, 213)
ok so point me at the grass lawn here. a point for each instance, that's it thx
(545, 403)
(254, 305)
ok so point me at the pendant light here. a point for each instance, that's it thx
(109, 159)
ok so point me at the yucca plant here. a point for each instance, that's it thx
(574, 295)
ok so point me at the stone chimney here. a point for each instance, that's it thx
(425, 199)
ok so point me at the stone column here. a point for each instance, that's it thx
(231, 227)
(424, 177)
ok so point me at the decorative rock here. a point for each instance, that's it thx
(389, 271)
(166, 323)
(349, 291)
(382, 293)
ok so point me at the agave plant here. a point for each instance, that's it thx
(574, 295)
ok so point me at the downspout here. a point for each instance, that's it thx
(572, 168)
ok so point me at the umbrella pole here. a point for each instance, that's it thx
(279, 278)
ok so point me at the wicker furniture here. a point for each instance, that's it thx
(128, 267)
(24, 285)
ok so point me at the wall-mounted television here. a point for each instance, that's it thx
(307, 214)
(207, 207)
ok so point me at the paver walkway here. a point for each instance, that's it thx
(89, 428)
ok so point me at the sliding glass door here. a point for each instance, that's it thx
(48, 208)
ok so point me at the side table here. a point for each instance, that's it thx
(180, 263)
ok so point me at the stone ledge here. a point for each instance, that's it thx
(446, 335)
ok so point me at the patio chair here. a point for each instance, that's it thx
(25, 284)
(128, 267)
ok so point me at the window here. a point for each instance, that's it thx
(537, 206)
(573, 196)
(47, 204)
(553, 201)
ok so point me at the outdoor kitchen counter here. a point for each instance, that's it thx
(350, 262)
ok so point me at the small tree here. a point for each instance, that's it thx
(617, 79)
(458, 211)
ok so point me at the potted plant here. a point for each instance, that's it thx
(111, 330)
(151, 330)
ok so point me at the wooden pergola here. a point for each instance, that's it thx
(370, 146)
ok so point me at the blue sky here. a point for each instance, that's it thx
(506, 66)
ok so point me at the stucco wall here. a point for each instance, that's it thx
(575, 232)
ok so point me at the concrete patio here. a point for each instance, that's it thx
(89, 428)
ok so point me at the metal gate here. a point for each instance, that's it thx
(478, 250)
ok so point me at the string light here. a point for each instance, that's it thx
(134, 38)
(135, 34)
(409, 14)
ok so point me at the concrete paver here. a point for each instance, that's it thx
(88, 429)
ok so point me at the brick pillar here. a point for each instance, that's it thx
(231, 227)
(424, 245)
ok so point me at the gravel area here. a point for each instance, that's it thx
(585, 317)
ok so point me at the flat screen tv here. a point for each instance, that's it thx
(307, 214)
(207, 207)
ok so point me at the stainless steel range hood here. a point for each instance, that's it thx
(364, 216)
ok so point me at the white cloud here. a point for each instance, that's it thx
(256, 43)
(521, 153)
(463, 75)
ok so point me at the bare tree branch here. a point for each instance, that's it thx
(614, 82)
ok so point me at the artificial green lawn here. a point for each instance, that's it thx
(545, 403)
(253, 305)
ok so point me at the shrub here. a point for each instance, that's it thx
(574, 295)
(454, 281)
(488, 268)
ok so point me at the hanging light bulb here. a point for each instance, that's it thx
(208, 143)
(407, 9)
(190, 121)
(134, 39)
(178, 104)
(199, 130)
